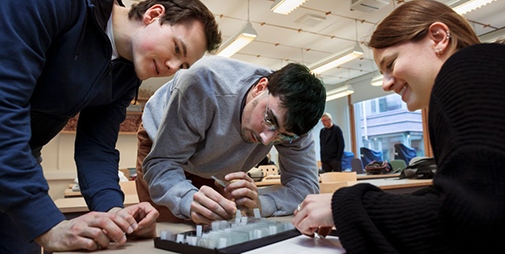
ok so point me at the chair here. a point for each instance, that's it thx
(403, 152)
(368, 155)
(331, 177)
(357, 166)
(346, 160)
(397, 165)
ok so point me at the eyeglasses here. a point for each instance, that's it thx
(267, 122)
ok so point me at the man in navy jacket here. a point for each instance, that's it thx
(63, 57)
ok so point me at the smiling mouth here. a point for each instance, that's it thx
(401, 90)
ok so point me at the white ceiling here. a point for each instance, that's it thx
(281, 39)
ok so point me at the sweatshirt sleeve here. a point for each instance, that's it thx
(299, 177)
(96, 158)
(23, 189)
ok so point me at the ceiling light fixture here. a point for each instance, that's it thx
(469, 5)
(377, 80)
(286, 6)
(339, 92)
(245, 36)
(238, 41)
(337, 59)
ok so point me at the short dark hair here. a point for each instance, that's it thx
(301, 93)
(183, 11)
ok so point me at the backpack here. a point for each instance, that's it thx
(424, 168)
(378, 167)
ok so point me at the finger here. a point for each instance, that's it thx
(83, 236)
(149, 219)
(215, 202)
(238, 176)
(203, 211)
(144, 213)
(95, 237)
(124, 218)
(239, 184)
(199, 219)
(297, 218)
(145, 231)
(223, 209)
(87, 244)
(243, 192)
(324, 231)
(310, 232)
(114, 226)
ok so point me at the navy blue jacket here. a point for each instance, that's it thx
(55, 62)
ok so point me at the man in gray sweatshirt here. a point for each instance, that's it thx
(220, 118)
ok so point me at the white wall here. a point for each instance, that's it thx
(58, 160)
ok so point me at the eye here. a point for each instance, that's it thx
(390, 65)
(177, 50)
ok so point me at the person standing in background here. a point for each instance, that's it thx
(332, 145)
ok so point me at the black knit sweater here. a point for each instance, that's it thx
(464, 210)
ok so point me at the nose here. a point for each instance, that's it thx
(387, 82)
(173, 65)
(268, 136)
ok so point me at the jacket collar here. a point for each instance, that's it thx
(103, 10)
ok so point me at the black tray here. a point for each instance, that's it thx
(237, 248)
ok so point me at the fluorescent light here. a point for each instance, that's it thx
(286, 6)
(493, 36)
(238, 41)
(339, 92)
(377, 80)
(470, 5)
(337, 59)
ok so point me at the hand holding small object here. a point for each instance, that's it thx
(313, 216)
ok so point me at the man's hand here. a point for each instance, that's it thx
(91, 231)
(208, 205)
(243, 190)
(144, 215)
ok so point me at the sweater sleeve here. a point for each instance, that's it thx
(369, 220)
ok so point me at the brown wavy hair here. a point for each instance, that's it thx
(411, 21)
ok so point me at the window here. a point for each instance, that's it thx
(379, 128)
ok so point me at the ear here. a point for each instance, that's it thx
(440, 35)
(261, 86)
(153, 14)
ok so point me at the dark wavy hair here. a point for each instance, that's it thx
(301, 93)
(183, 12)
